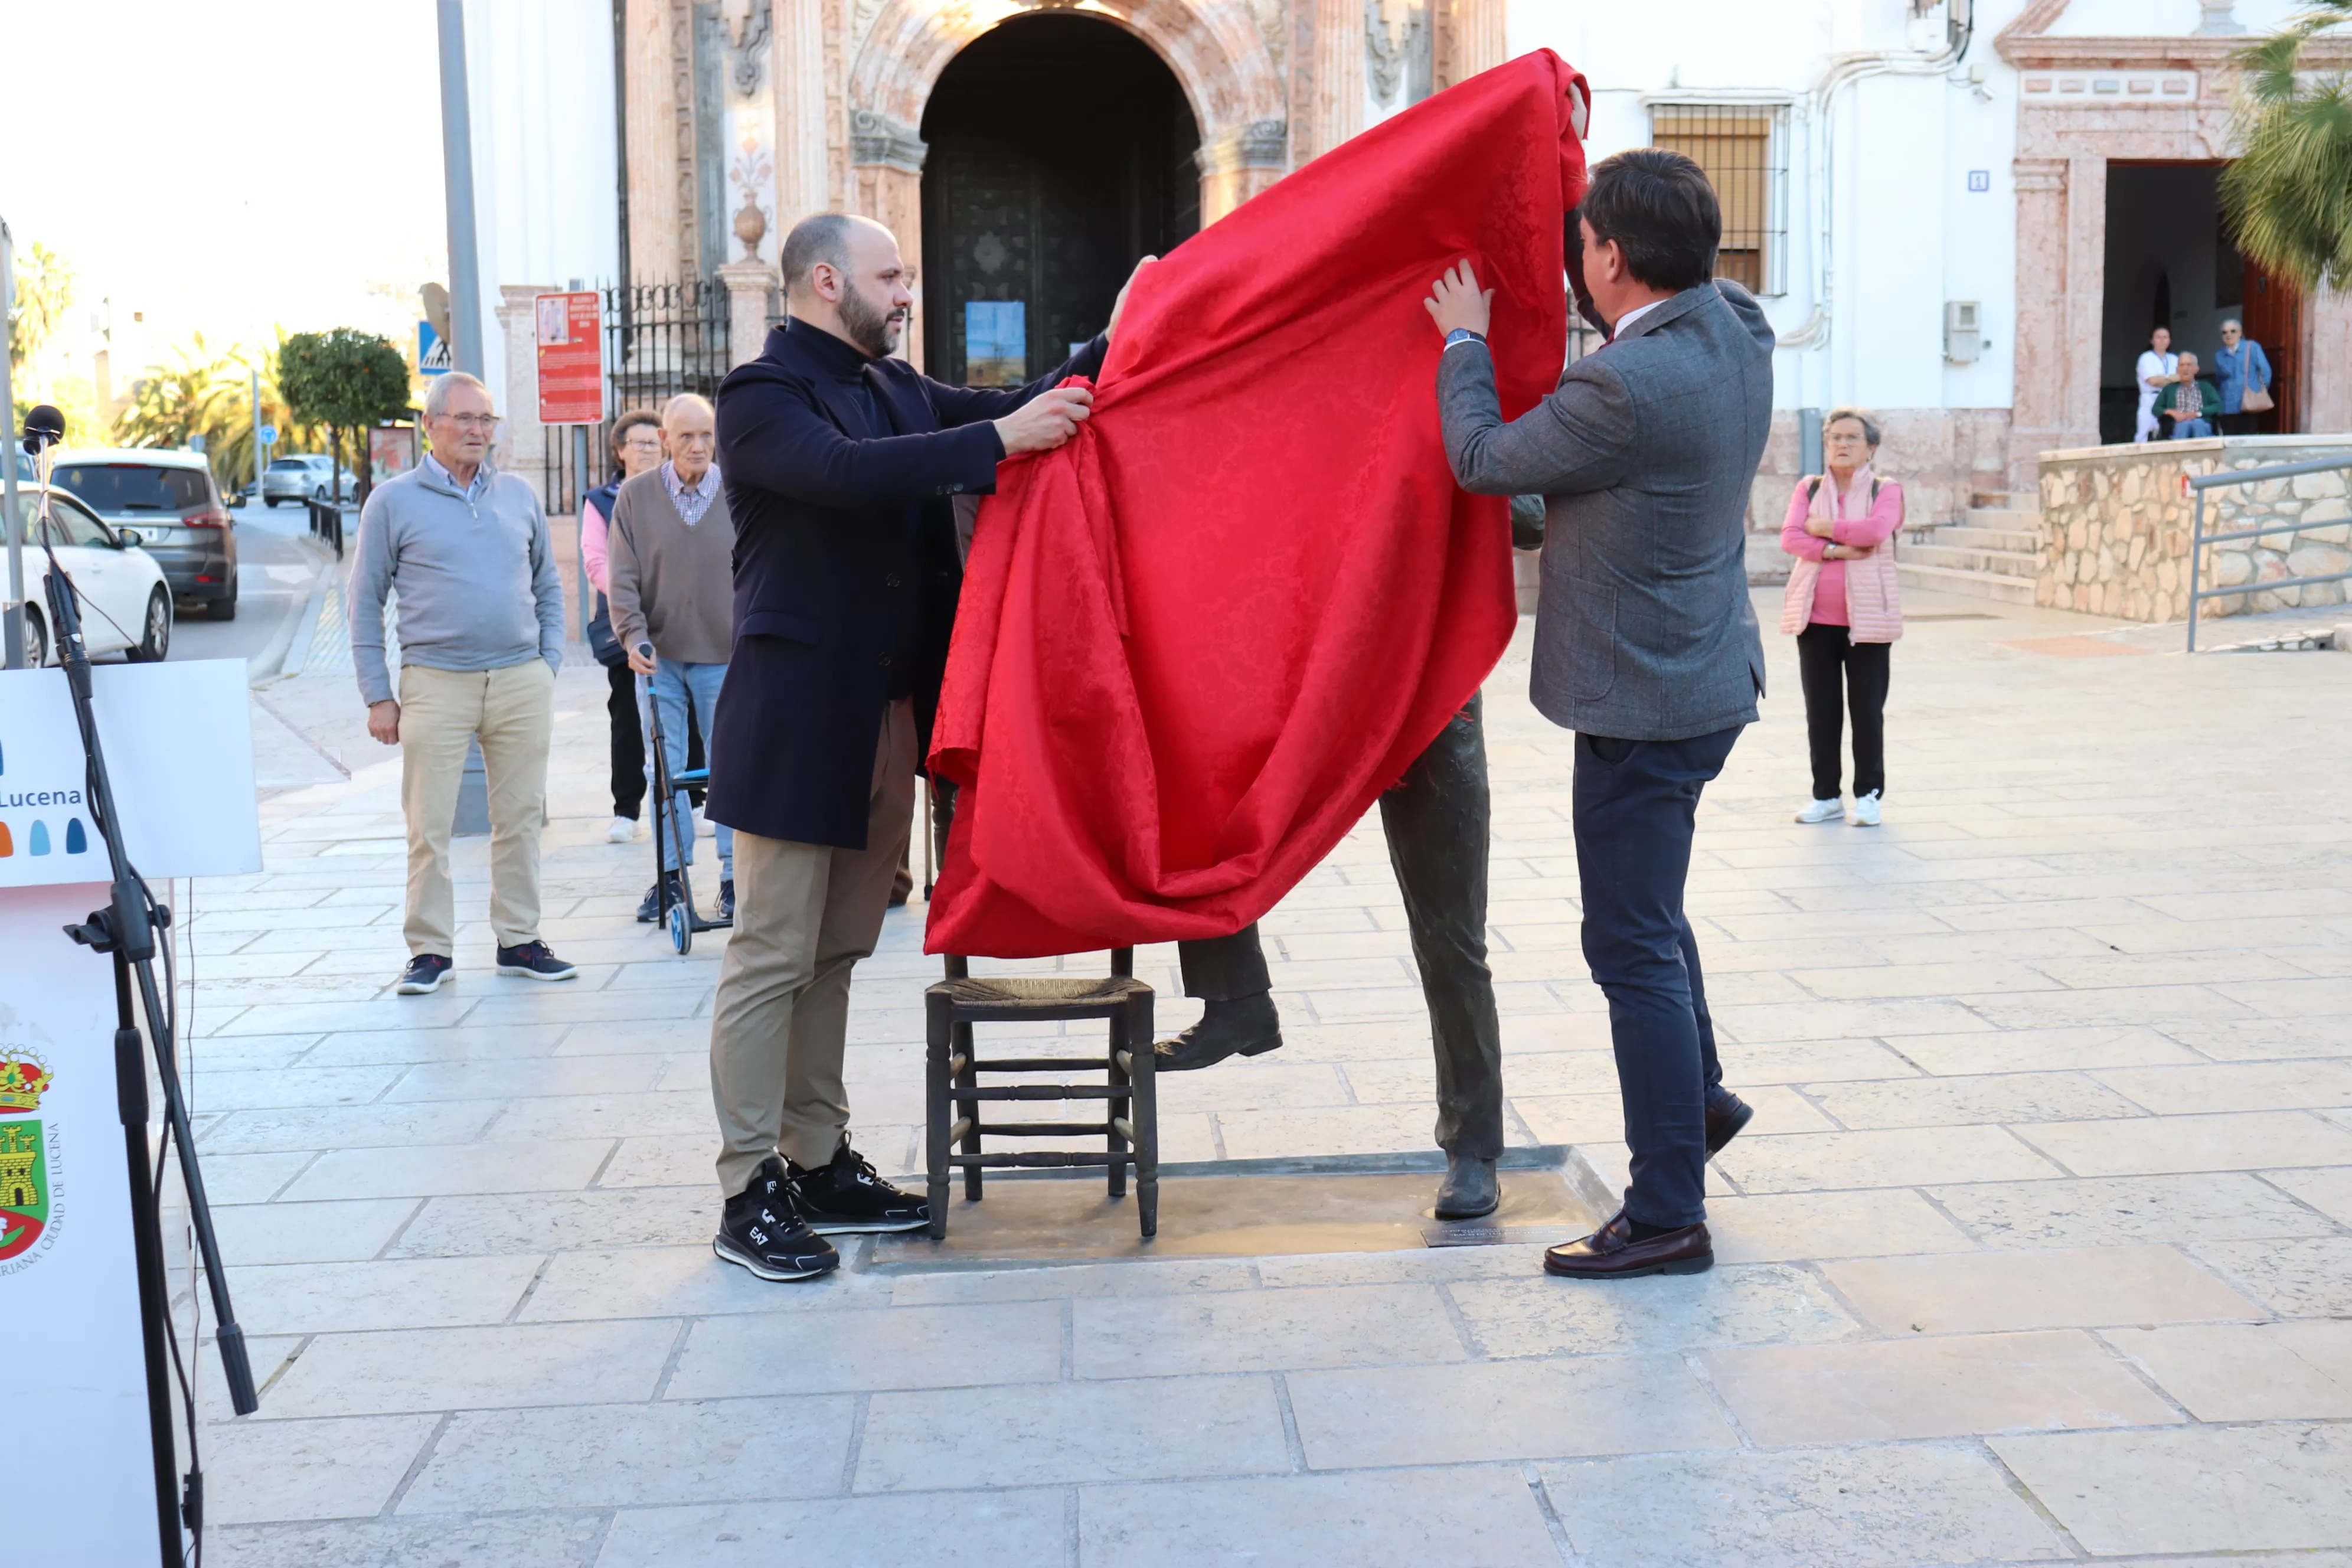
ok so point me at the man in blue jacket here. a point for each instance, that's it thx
(840, 464)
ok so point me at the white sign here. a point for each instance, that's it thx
(178, 740)
(68, 1276)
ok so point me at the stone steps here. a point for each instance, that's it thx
(1995, 554)
(1969, 536)
(1973, 585)
(1955, 557)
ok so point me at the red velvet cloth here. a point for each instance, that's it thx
(1197, 642)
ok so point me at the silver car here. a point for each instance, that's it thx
(166, 502)
(302, 479)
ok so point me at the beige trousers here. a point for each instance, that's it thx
(512, 711)
(805, 915)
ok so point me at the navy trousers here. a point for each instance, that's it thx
(1635, 805)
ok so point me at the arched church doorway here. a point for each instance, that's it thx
(1061, 151)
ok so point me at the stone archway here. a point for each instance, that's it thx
(1214, 48)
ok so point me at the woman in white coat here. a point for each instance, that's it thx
(2158, 366)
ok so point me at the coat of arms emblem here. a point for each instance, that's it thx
(25, 1174)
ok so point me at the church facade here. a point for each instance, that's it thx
(1966, 214)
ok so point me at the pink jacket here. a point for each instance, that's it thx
(1860, 594)
(594, 543)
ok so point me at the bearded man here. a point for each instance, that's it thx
(840, 464)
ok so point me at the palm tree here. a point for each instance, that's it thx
(2289, 194)
(210, 393)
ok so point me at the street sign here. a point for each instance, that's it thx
(432, 350)
(570, 359)
(269, 434)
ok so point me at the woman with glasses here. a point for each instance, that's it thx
(1845, 611)
(637, 448)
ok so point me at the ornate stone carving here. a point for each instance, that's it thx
(746, 23)
(1257, 144)
(875, 138)
(1388, 53)
(681, 61)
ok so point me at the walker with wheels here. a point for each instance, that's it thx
(676, 916)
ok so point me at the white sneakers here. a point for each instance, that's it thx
(703, 826)
(623, 829)
(1866, 813)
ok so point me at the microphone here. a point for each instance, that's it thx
(44, 427)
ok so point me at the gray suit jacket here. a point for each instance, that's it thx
(1644, 455)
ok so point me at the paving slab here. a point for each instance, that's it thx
(1862, 1508)
(2204, 1489)
(1483, 1517)
(1944, 1386)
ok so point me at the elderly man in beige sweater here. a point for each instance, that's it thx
(671, 581)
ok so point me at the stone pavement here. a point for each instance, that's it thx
(2040, 1248)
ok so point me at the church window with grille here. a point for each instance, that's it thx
(1744, 148)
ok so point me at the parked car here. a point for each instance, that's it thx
(126, 604)
(302, 479)
(166, 503)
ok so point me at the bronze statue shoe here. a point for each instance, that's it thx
(1611, 1253)
(1247, 1027)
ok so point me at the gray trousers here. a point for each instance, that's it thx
(1437, 822)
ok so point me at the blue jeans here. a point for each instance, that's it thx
(2190, 429)
(673, 683)
(1633, 808)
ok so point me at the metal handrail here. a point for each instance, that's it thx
(2199, 537)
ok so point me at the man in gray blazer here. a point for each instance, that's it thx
(1646, 640)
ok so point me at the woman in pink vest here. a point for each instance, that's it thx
(1844, 610)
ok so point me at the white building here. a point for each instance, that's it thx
(1966, 217)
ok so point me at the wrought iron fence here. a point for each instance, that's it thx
(660, 339)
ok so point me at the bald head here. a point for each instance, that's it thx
(843, 273)
(689, 436)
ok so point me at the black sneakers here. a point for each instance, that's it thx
(761, 1229)
(727, 900)
(425, 973)
(844, 1196)
(533, 961)
(649, 907)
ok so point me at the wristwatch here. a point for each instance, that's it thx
(1463, 335)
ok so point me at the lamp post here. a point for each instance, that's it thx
(12, 622)
(457, 179)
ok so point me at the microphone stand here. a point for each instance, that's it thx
(125, 930)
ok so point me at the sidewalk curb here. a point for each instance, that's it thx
(306, 628)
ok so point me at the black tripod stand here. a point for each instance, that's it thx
(126, 930)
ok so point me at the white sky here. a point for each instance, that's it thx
(224, 164)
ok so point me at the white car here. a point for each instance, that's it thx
(126, 605)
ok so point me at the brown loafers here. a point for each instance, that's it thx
(1724, 1118)
(1611, 1253)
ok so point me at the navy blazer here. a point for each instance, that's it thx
(832, 533)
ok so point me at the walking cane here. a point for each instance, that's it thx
(927, 840)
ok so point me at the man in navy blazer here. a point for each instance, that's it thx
(841, 464)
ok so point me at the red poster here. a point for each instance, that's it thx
(570, 359)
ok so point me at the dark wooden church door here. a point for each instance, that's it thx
(1061, 151)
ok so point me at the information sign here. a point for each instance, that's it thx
(570, 359)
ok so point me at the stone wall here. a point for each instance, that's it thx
(2117, 521)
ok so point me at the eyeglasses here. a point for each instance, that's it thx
(484, 422)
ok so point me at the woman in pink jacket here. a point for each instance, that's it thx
(1844, 610)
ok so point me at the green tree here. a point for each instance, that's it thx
(344, 380)
(45, 288)
(2289, 193)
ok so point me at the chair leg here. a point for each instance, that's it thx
(1114, 1142)
(1146, 1115)
(968, 1108)
(939, 1014)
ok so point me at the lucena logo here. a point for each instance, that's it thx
(37, 837)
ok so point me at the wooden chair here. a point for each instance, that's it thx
(1129, 1128)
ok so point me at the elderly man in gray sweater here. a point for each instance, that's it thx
(465, 551)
